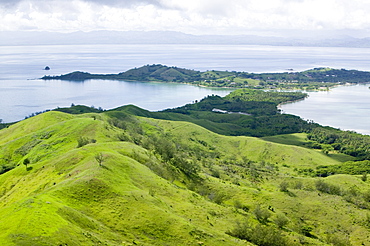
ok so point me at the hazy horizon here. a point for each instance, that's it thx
(326, 39)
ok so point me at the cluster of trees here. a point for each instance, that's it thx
(80, 109)
(264, 119)
(326, 75)
(3, 125)
(350, 167)
(259, 234)
(256, 108)
(265, 96)
(36, 113)
(346, 142)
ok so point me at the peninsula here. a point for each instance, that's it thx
(313, 79)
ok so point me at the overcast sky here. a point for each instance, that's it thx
(189, 16)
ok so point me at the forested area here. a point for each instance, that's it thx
(346, 142)
(263, 119)
(350, 167)
(265, 96)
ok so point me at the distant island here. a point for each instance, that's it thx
(313, 79)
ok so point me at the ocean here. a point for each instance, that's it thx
(23, 93)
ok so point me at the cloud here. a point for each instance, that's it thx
(192, 16)
(117, 3)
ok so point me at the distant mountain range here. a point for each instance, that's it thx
(170, 37)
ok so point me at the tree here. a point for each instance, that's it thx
(26, 162)
(99, 157)
(364, 177)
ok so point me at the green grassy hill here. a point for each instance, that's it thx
(112, 178)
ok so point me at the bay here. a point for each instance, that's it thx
(344, 107)
(19, 99)
(23, 93)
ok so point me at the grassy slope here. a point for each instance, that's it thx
(68, 198)
(65, 197)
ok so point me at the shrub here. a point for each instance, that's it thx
(364, 177)
(262, 214)
(306, 230)
(6, 167)
(281, 220)
(217, 197)
(328, 188)
(366, 221)
(260, 235)
(366, 196)
(338, 240)
(242, 231)
(215, 173)
(82, 141)
(284, 186)
(239, 205)
(298, 185)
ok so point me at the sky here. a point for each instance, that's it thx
(189, 16)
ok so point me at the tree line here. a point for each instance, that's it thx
(347, 142)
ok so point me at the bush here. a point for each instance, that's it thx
(338, 240)
(284, 186)
(82, 141)
(281, 220)
(364, 177)
(262, 214)
(328, 188)
(260, 235)
(306, 230)
(239, 205)
(6, 167)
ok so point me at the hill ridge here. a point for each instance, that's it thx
(163, 182)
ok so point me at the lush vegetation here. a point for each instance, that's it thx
(346, 142)
(243, 112)
(350, 167)
(112, 178)
(314, 79)
(127, 176)
(145, 73)
(265, 96)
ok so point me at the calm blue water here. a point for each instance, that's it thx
(344, 107)
(22, 93)
(20, 98)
